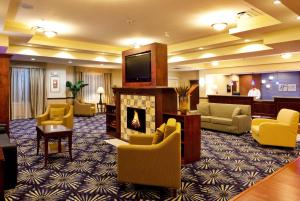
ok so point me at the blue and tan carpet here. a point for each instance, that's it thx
(229, 164)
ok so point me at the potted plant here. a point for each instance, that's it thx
(183, 93)
(76, 87)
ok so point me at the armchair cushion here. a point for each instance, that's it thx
(57, 114)
(159, 134)
(170, 127)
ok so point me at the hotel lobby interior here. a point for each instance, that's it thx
(149, 100)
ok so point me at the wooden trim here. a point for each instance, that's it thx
(60, 98)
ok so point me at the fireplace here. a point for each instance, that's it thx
(136, 119)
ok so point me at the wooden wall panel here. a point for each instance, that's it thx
(159, 65)
(245, 83)
(4, 89)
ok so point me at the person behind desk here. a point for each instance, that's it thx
(254, 92)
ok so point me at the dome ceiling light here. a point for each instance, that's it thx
(219, 26)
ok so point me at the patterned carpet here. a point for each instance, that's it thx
(229, 164)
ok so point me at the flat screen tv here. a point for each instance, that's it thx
(138, 67)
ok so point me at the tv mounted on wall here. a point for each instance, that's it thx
(138, 67)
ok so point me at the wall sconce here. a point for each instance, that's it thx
(271, 77)
(268, 86)
(263, 81)
(277, 83)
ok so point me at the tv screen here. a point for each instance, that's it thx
(138, 67)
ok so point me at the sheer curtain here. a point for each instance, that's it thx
(94, 80)
(20, 93)
(27, 90)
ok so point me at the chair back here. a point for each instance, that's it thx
(62, 105)
(290, 117)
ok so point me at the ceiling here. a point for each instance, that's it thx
(95, 32)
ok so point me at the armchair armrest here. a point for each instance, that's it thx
(140, 139)
(277, 133)
(68, 118)
(242, 122)
(256, 122)
(43, 117)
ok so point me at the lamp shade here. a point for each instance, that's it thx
(100, 90)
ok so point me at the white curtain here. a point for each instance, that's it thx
(94, 80)
(20, 93)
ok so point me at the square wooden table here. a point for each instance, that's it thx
(53, 132)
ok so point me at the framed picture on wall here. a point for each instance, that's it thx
(54, 84)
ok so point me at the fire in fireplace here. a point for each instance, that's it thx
(136, 119)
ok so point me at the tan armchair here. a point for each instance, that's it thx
(84, 109)
(142, 162)
(279, 132)
(53, 115)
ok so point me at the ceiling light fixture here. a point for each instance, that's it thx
(247, 40)
(219, 26)
(276, 2)
(298, 17)
(286, 55)
(38, 29)
(136, 45)
(201, 48)
(243, 15)
(215, 63)
(50, 34)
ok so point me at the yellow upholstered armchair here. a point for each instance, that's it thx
(279, 132)
(57, 114)
(84, 109)
(142, 162)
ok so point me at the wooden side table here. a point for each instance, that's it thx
(53, 132)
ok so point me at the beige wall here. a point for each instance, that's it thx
(176, 78)
(116, 77)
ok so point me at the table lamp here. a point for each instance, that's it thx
(100, 91)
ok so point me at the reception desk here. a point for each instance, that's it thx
(259, 107)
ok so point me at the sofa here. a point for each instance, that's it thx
(84, 109)
(230, 118)
(280, 132)
(57, 114)
(10, 156)
(152, 159)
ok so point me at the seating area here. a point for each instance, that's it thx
(229, 118)
(121, 100)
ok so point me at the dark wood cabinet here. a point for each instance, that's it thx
(111, 120)
(194, 98)
(190, 135)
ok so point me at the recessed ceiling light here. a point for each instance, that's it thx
(215, 63)
(298, 17)
(243, 15)
(219, 26)
(286, 55)
(65, 49)
(247, 40)
(201, 48)
(29, 45)
(277, 2)
(50, 34)
(136, 45)
(32, 59)
(38, 29)
(101, 64)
